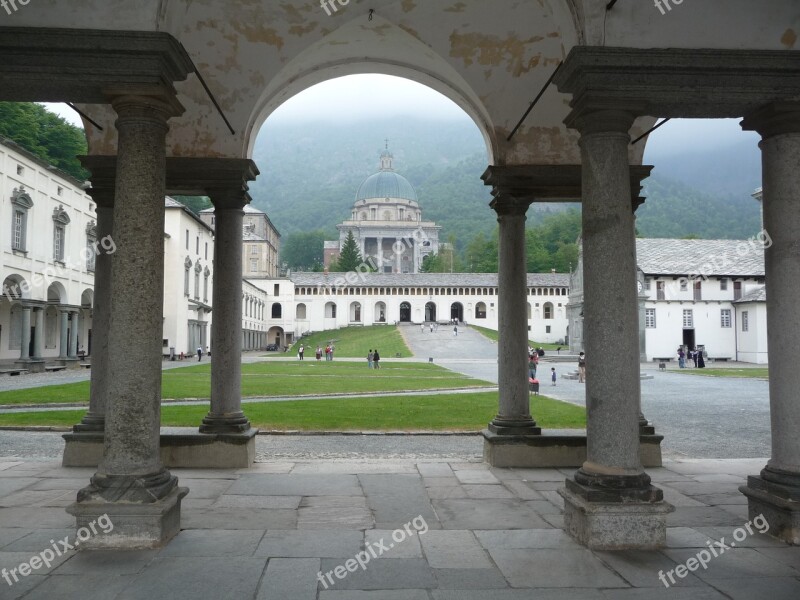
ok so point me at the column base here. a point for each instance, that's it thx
(615, 519)
(554, 449)
(33, 365)
(778, 502)
(91, 423)
(135, 525)
(517, 427)
(227, 423)
(70, 363)
(181, 447)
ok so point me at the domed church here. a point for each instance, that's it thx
(386, 221)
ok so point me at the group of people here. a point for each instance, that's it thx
(694, 355)
(318, 354)
(434, 327)
(533, 366)
(374, 359)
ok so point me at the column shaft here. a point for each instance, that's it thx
(131, 468)
(610, 307)
(38, 333)
(226, 413)
(25, 338)
(63, 350)
(94, 419)
(514, 415)
(73, 335)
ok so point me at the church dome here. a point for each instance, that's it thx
(386, 183)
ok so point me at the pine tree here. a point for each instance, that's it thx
(350, 257)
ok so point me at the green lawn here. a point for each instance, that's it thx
(492, 335)
(275, 379)
(356, 342)
(462, 412)
(756, 372)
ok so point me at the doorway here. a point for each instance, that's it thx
(405, 312)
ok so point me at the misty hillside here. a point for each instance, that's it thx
(311, 172)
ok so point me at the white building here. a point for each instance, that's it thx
(386, 222)
(188, 280)
(694, 293)
(254, 311)
(307, 302)
(48, 251)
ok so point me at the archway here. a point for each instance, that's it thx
(380, 312)
(480, 310)
(300, 312)
(355, 312)
(275, 335)
(430, 311)
(405, 312)
(457, 311)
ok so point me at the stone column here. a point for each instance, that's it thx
(63, 351)
(775, 493)
(131, 485)
(398, 257)
(514, 414)
(38, 333)
(73, 335)
(609, 503)
(94, 419)
(226, 414)
(380, 255)
(25, 338)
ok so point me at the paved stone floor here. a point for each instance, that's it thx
(489, 534)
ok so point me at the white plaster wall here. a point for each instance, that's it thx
(753, 343)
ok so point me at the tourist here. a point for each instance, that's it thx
(681, 358)
(422, 327)
(694, 356)
(431, 327)
(455, 331)
(553, 375)
(300, 351)
(370, 358)
(532, 366)
(701, 363)
(376, 358)
(328, 352)
(581, 368)
(319, 353)
(199, 354)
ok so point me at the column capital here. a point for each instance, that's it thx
(590, 116)
(103, 176)
(774, 119)
(137, 104)
(506, 205)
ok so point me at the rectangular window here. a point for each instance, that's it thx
(206, 250)
(277, 289)
(19, 230)
(647, 284)
(186, 281)
(737, 290)
(698, 290)
(745, 321)
(20, 170)
(60, 190)
(253, 265)
(58, 244)
(547, 329)
(684, 285)
(688, 318)
(254, 250)
(650, 318)
(725, 317)
(197, 246)
(660, 290)
(205, 289)
(187, 239)
(197, 286)
(723, 284)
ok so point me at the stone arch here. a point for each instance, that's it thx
(56, 293)
(301, 312)
(380, 312)
(16, 287)
(355, 312)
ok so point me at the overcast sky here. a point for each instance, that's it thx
(367, 96)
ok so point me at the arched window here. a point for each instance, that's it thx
(355, 312)
(277, 310)
(330, 310)
(301, 312)
(480, 310)
(548, 310)
(20, 203)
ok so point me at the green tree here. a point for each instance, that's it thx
(45, 135)
(350, 257)
(304, 250)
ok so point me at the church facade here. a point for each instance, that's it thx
(386, 222)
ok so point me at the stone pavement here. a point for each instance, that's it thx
(492, 534)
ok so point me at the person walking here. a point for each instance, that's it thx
(199, 354)
(532, 366)
(328, 352)
(694, 357)
(681, 358)
(376, 359)
(370, 358)
(431, 327)
(553, 375)
(581, 368)
(300, 351)
(455, 331)
(422, 327)
(319, 353)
